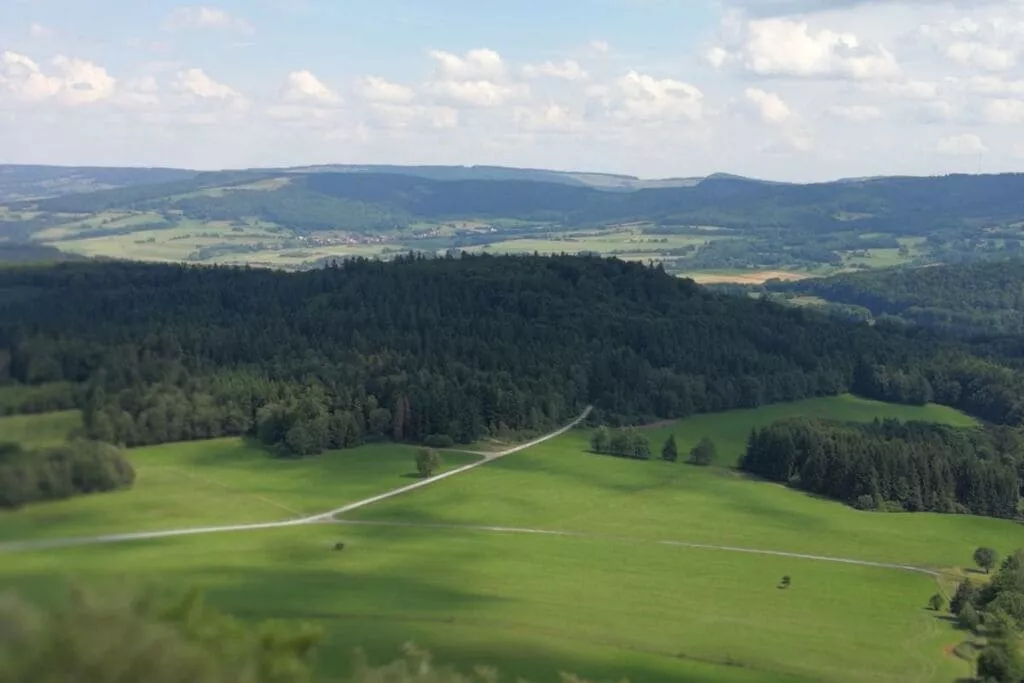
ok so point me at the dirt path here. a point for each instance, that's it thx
(626, 539)
(47, 544)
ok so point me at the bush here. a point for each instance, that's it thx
(77, 467)
(439, 441)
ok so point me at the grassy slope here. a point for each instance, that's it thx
(601, 607)
(223, 481)
(39, 431)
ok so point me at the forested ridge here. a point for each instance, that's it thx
(454, 348)
(965, 299)
(914, 466)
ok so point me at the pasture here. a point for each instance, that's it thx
(39, 431)
(612, 601)
(221, 481)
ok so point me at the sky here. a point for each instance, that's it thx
(799, 90)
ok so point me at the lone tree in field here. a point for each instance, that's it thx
(428, 462)
(936, 603)
(670, 452)
(601, 441)
(986, 558)
(703, 453)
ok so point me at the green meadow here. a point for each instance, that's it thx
(611, 602)
(39, 431)
(218, 482)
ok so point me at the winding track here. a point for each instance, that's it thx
(330, 517)
(48, 544)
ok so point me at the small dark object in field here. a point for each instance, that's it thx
(339, 546)
(785, 582)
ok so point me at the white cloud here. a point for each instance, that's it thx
(569, 70)
(857, 113)
(73, 81)
(980, 55)
(1004, 111)
(40, 31)
(791, 48)
(206, 17)
(411, 116)
(770, 107)
(475, 64)
(994, 85)
(377, 89)
(601, 47)
(642, 97)
(907, 89)
(477, 93)
(197, 82)
(303, 86)
(551, 117)
(961, 145)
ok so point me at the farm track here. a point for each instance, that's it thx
(626, 539)
(50, 544)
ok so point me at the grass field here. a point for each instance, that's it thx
(39, 431)
(223, 481)
(612, 604)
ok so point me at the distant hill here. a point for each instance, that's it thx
(18, 182)
(965, 299)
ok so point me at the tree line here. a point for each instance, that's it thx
(634, 444)
(441, 350)
(912, 466)
(994, 610)
(75, 468)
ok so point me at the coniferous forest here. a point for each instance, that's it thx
(915, 466)
(434, 350)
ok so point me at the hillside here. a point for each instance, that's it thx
(721, 225)
(448, 349)
(22, 182)
(967, 299)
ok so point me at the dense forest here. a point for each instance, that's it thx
(455, 348)
(969, 299)
(75, 468)
(914, 466)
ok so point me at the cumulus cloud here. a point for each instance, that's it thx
(641, 97)
(196, 82)
(40, 31)
(477, 93)
(413, 116)
(550, 117)
(475, 64)
(206, 18)
(792, 48)
(769, 106)
(961, 145)
(303, 86)
(377, 89)
(569, 70)
(857, 113)
(990, 43)
(475, 79)
(1004, 111)
(71, 82)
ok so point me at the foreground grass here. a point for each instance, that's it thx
(535, 606)
(217, 482)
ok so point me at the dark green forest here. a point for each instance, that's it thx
(456, 348)
(915, 466)
(966, 300)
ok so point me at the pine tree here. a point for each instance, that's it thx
(670, 452)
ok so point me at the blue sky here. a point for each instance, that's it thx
(789, 89)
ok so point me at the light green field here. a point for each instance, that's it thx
(609, 604)
(609, 242)
(223, 481)
(39, 431)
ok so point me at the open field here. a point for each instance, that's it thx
(743, 277)
(623, 242)
(39, 431)
(616, 603)
(535, 606)
(222, 481)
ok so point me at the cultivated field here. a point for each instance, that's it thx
(611, 601)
